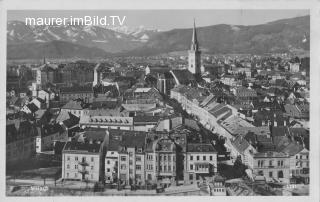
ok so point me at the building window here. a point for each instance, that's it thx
(75, 166)
(108, 162)
(68, 166)
(164, 158)
(210, 158)
(68, 158)
(108, 169)
(270, 174)
(91, 167)
(138, 167)
(130, 162)
(76, 158)
(307, 156)
(260, 172)
(198, 158)
(67, 175)
(204, 158)
(169, 158)
(123, 158)
(123, 166)
(130, 153)
(92, 159)
(191, 167)
(270, 163)
(138, 177)
(169, 168)
(138, 158)
(164, 168)
(300, 156)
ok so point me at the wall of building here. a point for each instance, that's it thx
(71, 165)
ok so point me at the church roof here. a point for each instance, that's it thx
(194, 42)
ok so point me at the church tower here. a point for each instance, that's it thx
(194, 57)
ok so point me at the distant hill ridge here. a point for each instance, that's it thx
(286, 35)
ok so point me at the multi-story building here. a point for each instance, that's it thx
(128, 146)
(71, 93)
(161, 160)
(20, 140)
(80, 72)
(47, 135)
(201, 162)
(274, 166)
(112, 122)
(83, 157)
(111, 164)
(299, 161)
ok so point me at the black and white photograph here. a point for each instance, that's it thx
(160, 102)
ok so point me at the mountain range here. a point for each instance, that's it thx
(28, 42)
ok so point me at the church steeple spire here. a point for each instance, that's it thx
(194, 41)
(194, 57)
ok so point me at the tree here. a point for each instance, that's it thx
(239, 168)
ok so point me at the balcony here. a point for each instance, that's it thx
(203, 167)
(83, 163)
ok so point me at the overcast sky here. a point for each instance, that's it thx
(169, 19)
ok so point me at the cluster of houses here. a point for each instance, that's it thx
(121, 127)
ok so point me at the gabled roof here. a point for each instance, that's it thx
(125, 138)
(292, 149)
(32, 107)
(74, 146)
(200, 148)
(240, 144)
